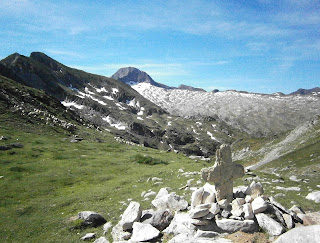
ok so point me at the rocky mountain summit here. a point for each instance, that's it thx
(132, 76)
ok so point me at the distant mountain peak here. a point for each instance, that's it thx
(132, 76)
(314, 91)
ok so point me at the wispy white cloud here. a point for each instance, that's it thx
(64, 53)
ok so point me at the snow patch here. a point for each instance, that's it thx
(211, 136)
(117, 124)
(72, 103)
(108, 97)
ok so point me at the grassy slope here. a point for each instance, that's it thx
(50, 180)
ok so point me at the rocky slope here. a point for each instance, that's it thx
(111, 105)
(257, 114)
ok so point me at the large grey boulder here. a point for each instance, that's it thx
(91, 219)
(180, 225)
(159, 219)
(270, 225)
(143, 232)
(171, 201)
(307, 234)
(131, 214)
(231, 225)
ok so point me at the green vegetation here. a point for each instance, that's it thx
(50, 180)
(148, 160)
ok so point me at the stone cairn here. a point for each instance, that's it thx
(215, 210)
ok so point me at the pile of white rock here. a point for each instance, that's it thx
(206, 219)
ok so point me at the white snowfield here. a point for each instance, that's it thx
(254, 113)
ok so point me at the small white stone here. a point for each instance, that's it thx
(88, 236)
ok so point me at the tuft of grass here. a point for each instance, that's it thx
(148, 160)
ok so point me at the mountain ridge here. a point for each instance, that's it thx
(113, 106)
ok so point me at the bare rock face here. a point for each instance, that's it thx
(223, 173)
(131, 214)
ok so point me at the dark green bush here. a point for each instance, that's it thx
(148, 160)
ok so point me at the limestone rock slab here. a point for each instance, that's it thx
(270, 225)
(231, 225)
(143, 232)
(131, 214)
(259, 205)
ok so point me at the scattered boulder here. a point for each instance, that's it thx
(91, 219)
(131, 214)
(270, 225)
(310, 234)
(144, 232)
(314, 196)
(196, 198)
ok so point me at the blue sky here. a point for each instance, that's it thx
(259, 46)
